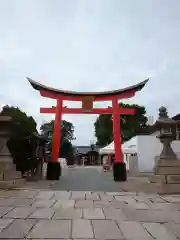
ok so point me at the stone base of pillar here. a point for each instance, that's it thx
(53, 171)
(12, 184)
(119, 172)
(9, 177)
(8, 169)
(166, 175)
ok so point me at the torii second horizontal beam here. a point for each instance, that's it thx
(108, 110)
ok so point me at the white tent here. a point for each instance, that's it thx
(128, 147)
(108, 149)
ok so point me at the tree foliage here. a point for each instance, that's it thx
(67, 135)
(25, 125)
(131, 125)
(67, 129)
(19, 146)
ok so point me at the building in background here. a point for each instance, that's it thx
(87, 155)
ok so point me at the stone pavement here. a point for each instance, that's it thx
(93, 178)
(47, 214)
(89, 178)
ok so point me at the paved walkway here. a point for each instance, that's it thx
(48, 214)
(87, 179)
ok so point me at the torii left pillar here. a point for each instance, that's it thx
(119, 167)
(54, 168)
(57, 130)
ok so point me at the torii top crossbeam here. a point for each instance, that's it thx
(68, 95)
(87, 99)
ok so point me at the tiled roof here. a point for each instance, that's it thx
(85, 149)
(176, 117)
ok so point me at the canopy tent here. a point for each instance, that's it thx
(108, 149)
(128, 147)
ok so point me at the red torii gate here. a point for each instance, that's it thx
(87, 99)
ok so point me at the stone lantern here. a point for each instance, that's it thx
(167, 165)
(166, 126)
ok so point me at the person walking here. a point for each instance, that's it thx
(105, 163)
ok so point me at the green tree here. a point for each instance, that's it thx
(67, 135)
(67, 129)
(131, 125)
(25, 125)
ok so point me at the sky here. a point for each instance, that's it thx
(89, 45)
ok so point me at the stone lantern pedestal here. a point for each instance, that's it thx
(167, 166)
(167, 170)
(9, 177)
